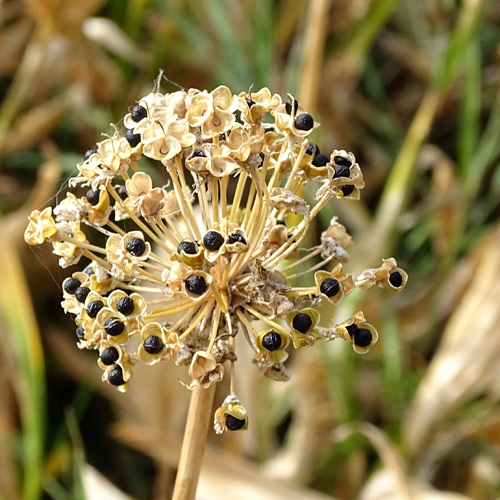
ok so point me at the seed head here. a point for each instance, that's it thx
(186, 265)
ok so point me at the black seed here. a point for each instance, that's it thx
(363, 337)
(352, 329)
(80, 332)
(304, 122)
(268, 129)
(138, 113)
(153, 344)
(109, 356)
(94, 307)
(330, 287)
(271, 341)
(262, 158)
(89, 270)
(125, 305)
(236, 238)
(291, 104)
(395, 279)
(93, 196)
(122, 192)
(136, 247)
(302, 322)
(213, 240)
(347, 189)
(311, 149)
(115, 376)
(280, 222)
(198, 153)
(70, 285)
(196, 284)
(320, 160)
(114, 326)
(341, 171)
(233, 423)
(186, 246)
(224, 136)
(133, 139)
(81, 293)
(250, 102)
(89, 153)
(342, 160)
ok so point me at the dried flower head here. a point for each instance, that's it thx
(213, 252)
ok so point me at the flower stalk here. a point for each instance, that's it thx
(193, 445)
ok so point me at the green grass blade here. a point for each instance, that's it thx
(470, 107)
(17, 312)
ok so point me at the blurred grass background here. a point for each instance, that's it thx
(412, 88)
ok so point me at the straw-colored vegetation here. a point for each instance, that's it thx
(412, 88)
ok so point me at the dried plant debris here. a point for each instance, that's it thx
(184, 267)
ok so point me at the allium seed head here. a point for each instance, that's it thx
(185, 260)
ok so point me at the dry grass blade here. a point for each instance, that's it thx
(383, 486)
(97, 486)
(8, 485)
(223, 476)
(467, 358)
(390, 457)
(313, 52)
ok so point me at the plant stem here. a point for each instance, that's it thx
(193, 445)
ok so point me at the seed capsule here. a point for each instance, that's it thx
(114, 326)
(153, 344)
(395, 279)
(133, 139)
(196, 284)
(81, 293)
(186, 246)
(330, 287)
(138, 113)
(233, 423)
(363, 337)
(271, 341)
(93, 196)
(213, 240)
(109, 356)
(70, 285)
(125, 306)
(304, 122)
(302, 322)
(94, 307)
(115, 376)
(136, 247)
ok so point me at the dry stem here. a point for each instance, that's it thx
(193, 445)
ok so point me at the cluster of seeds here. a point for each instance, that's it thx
(180, 271)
